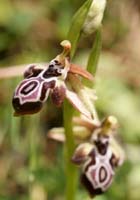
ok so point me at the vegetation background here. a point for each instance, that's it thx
(31, 167)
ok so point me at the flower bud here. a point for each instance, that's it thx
(94, 17)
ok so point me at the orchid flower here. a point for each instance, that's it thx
(97, 153)
(59, 79)
(99, 157)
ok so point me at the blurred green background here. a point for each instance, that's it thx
(32, 167)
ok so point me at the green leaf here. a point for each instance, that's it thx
(77, 24)
(95, 53)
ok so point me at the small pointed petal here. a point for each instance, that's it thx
(81, 153)
(58, 95)
(34, 70)
(77, 103)
(75, 69)
(81, 133)
(118, 151)
(84, 121)
(86, 95)
(56, 134)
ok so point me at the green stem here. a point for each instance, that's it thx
(71, 170)
(15, 133)
(15, 122)
(32, 132)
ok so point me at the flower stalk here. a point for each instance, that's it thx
(32, 132)
(70, 169)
